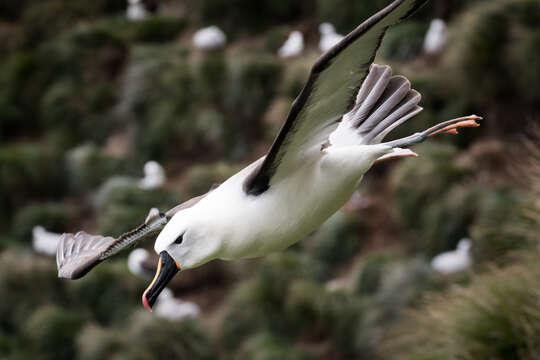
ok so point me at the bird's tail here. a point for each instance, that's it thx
(383, 103)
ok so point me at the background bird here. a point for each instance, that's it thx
(436, 37)
(209, 38)
(154, 176)
(450, 262)
(329, 37)
(293, 46)
(45, 242)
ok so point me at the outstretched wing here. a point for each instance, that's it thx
(328, 94)
(78, 253)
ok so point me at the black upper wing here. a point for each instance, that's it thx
(328, 94)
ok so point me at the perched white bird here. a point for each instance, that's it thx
(451, 262)
(332, 135)
(171, 308)
(136, 10)
(45, 242)
(139, 263)
(329, 37)
(209, 38)
(293, 46)
(154, 176)
(435, 37)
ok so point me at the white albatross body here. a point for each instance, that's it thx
(237, 225)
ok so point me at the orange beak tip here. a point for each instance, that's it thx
(145, 302)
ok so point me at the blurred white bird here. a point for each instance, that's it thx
(435, 37)
(451, 262)
(136, 10)
(45, 242)
(139, 263)
(293, 46)
(169, 307)
(209, 38)
(154, 176)
(329, 37)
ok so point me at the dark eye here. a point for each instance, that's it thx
(179, 239)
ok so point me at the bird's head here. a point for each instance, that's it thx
(184, 243)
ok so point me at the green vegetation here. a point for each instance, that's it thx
(87, 97)
(495, 317)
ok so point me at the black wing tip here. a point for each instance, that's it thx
(325, 58)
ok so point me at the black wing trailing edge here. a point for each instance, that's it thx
(329, 93)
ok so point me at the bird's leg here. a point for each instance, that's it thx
(446, 127)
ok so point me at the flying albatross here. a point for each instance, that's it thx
(332, 135)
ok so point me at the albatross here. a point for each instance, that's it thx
(331, 137)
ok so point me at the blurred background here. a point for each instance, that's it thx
(433, 258)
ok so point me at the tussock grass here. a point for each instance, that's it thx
(496, 317)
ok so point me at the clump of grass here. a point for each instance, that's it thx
(154, 338)
(335, 242)
(404, 42)
(267, 346)
(505, 27)
(52, 331)
(496, 317)
(125, 206)
(53, 217)
(436, 218)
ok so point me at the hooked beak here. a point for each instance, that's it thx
(166, 269)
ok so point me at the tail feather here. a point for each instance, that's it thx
(383, 103)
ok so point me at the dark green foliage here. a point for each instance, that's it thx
(495, 317)
(16, 96)
(404, 42)
(346, 15)
(143, 336)
(500, 225)
(244, 16)
(153, 29)
(266, 346)
(200, 178)
(123, 206)
(28, 171)
(52, 330)
(109, 292)
(495, 52)
(336, 241)
(27, 282)
(81, 66)
(260, 303)
(213, 73)
(435, 215)
(369, 276)
(160, 93)
(155, 337)
(53, 217)
(87, 167)
(254, 83)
